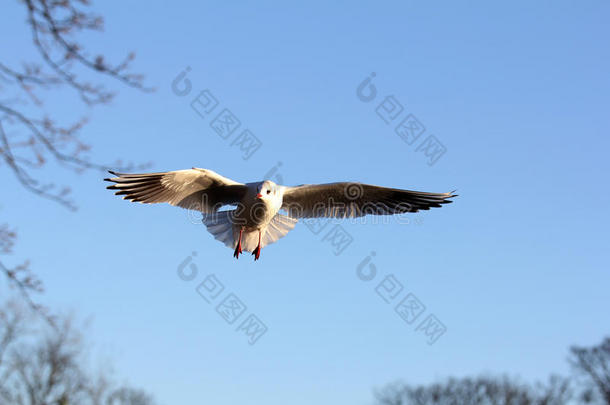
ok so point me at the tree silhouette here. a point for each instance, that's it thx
(485, 390)
(593, 363)
(590, 385)
(44, 365)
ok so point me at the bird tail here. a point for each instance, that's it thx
(279, 226)
(220, 225)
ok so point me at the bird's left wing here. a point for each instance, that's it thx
(196, 189)
(348, 200)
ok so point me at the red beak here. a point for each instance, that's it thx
(259, 195)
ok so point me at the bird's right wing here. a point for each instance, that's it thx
(195, 189)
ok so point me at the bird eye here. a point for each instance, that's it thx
(268, 191)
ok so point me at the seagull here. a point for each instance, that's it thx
(255, 220)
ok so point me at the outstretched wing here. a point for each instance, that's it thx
(349, 200)
(196, 189)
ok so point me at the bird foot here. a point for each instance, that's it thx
(237, 251)
(257, 252)
(238, 247)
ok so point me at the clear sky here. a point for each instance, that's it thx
(516, 269)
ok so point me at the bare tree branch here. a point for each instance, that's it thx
(53, 25)
(29, 138)
(21, 276)
(49, 36)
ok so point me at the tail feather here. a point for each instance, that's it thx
(220, 225)
(279, 226)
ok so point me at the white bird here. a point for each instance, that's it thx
(256, 220)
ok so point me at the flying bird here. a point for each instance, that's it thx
(256, 220)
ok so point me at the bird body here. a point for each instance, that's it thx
(256, 220)
(258, 206)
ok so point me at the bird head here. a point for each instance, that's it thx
(267, 190)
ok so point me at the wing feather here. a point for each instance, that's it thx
(349, 200)
(197, 189)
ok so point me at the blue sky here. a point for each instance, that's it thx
(516, 269)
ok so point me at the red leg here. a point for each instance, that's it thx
(238, 247)
(257, 251)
